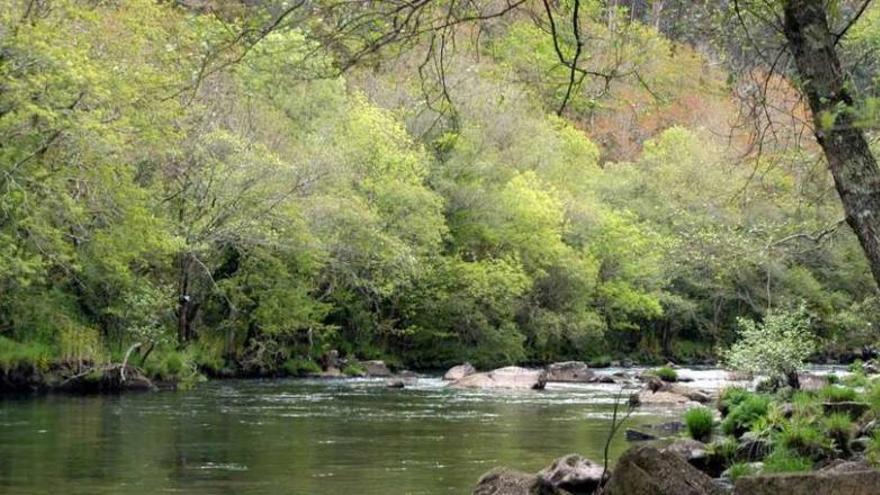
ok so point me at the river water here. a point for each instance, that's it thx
(302, 437)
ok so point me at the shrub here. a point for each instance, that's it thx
(699, 423)
(741, 417)
(839, 428)
(666, 374)
(835, 393)
(354, 369)
(301, 367)
(784, 461)
(779, 346)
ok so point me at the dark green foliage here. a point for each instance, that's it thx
(739, 470)
(665, 373)
(301, 367)
(354, 369)
(699, 422)
(804, 439)
(745, 413)
(731, 397)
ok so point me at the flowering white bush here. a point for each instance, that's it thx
(777, 347)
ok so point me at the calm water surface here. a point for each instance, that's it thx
(299, 437)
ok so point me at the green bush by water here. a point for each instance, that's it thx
(699, 421)
(742, 416)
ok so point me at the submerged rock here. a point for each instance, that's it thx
(376, 368)
(638, 436)
(510, 377)
(569, 371)
(503, 481)
(647, 471)
(395, 383)
(460, 371)
(574, 474)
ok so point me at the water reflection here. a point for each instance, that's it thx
(301, 437)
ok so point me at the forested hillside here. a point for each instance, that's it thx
(243, 186)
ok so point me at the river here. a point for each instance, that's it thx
(302, 437)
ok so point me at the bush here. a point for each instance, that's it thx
(301, 367)
(699, 423)
(839, 428)
(354, 369)
(784, 461)
(665, 373)
(779, 346)
(741, 417)
(835, 393)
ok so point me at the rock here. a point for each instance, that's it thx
(331, 373)
(503, 481)
(860, 444)
(569, 371)
(627, 363)
(755, 468)
(460, 371)
(693, 451)
(809, 381)
(638, 436)
(376, 368)
(752, 447)
(645, 470)
(606, 379)
(669, 428)
(825, 482)
(868, 429)
(574, 474)
(615, 364)
(788, 410)
(854, 409)
(871, 368)
(395, 383)
(662, 398)
(693, 394)
(409, 374)
(331, 360)
(843, 466)
(511, 377)
(685, 379)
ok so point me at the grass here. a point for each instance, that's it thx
(805, 404)
(804, 439)
(839, 428)
(354, 369)
(665, 373)
(746, 412)
(836, 393)
(301, 367)
(739, 470)
(784, 461)
(872, 397)
(699, 422)
(873, 452)
(14, 354)
(832, 379)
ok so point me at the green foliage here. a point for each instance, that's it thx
(778, 346)
(31, 354)
(804, 439)
(731, 397)
(699, 422)
(783, 461)
(665, 373)
(836, 393)
(301, 367)
(354, 369)
(744, 414)
(839, 427)
(740, 469)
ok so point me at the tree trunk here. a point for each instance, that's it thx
(854, 168)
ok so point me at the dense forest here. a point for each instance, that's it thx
(242, 187)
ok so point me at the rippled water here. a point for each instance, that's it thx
(301, 437)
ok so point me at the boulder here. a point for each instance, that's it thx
(395, 383)
(810, 382)
(376, 368)
(574, 474)
(752, 447)
(503, 481)
(824, 482)
(638, 436)
(605, 379)
(459, 371)
(855, 410)
(647, 471)
(844, 466)
(663, 398)
(693, 451)
(569, 371)
(510, 377)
